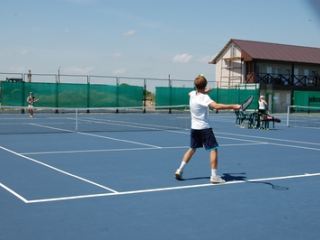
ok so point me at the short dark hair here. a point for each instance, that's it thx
(200, 82)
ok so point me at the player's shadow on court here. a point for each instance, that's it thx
(228, 177)
(273, 186)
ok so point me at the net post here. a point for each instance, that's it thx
(288, 115)
(76, 117)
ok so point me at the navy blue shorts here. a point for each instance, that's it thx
(203, 138)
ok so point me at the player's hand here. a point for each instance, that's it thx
(237, 107)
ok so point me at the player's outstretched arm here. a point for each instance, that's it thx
(221, 106)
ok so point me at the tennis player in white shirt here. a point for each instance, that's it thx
(201, 131)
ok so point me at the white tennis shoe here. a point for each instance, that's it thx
(216, 180)
(178, 174)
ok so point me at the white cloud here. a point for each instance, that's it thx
(182, 58)
(129, 33)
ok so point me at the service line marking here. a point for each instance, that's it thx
(169, 188)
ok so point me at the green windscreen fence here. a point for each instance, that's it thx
(121, 95)
(166, 96)
(306, 98)
(235, 95)
(71, 95)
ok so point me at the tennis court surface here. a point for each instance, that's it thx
(61, 181)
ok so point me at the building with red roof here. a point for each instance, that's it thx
(279, 69)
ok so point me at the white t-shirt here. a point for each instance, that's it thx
(262, 105)
(199, 108)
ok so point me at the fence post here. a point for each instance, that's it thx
(170, 94)
(57, 93)
(117, 94)
(88, 93)
(23, 96)
(144, 95)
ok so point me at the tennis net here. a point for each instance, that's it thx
(16, 120)
(303, 116)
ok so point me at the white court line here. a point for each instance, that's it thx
(294, 146)
(154, 127)
(240, 139)
(146, 126)
(274, 140)
(13, 193)
(58, 170)
(49, 127)
(133, 149)
(90, 151)
(96, 135)
(170, 188)
(118, 140)
(268, 138)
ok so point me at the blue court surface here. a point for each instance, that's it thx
(121, 185)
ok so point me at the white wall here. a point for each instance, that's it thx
(229, 73)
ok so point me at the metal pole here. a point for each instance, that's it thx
(117, 94)
(88, 93)
(170, 94)
(144, 95)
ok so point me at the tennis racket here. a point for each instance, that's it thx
(246, 103)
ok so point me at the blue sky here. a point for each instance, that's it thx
(144, 38)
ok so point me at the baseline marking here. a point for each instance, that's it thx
(13, 193)
(59, 170)
(169, 188)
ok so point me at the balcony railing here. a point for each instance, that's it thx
(285, 79)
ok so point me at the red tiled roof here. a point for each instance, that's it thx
(272, 51)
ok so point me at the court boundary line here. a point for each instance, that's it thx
(58, 170)
(268, 138)
(141, 191)
(294, 146)
(14, 193)
(134, 149)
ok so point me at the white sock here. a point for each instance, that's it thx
(213, 172)
(182, 165)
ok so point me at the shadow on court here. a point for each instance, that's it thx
(230, 177)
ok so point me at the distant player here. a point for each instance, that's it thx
(201, 132)
(263, 105)
(31, 100)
